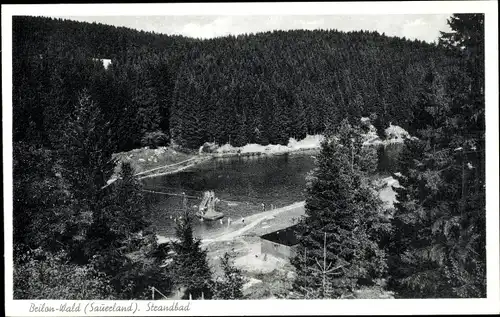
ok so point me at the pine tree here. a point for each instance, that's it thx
(83, 155)
(85, 150)
(120, 241)
(342, 208)
(413, 274)
(230, 285)
(439, 247)
(43, 199)
(123, 210)
(190, 266)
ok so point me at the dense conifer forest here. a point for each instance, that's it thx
(70, 114)
(262, 88)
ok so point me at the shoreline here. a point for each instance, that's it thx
(204, 157)
(279, 216)
(167, 160)
(247, 154)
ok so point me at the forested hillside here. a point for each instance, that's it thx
(77, 237)
(262, 88)
(54, 61)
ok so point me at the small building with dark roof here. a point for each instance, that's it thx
(282, 243)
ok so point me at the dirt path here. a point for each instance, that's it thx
(169, 172)
(165, 166)
(295, 209)
(254, 220)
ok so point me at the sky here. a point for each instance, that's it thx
(424, 27)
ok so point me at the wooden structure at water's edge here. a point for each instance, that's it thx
(281, 243)
(206, 210)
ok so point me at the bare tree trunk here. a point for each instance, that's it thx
(462, 207)
(352, 157)
(324, 263)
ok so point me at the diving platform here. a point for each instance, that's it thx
(206, 210)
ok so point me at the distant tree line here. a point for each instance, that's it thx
(261, 88)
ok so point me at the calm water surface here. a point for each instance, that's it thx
(243, 184)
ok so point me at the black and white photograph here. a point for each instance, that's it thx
(170, 159)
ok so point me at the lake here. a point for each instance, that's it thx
(245, 186)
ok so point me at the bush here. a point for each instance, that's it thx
(154, 139)
(43, 275)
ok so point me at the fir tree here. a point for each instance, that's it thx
(190, 266)
(43, 199)
(439, 246)
(85, 150)
(230, 285)
(120, 242)
(342, 209)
